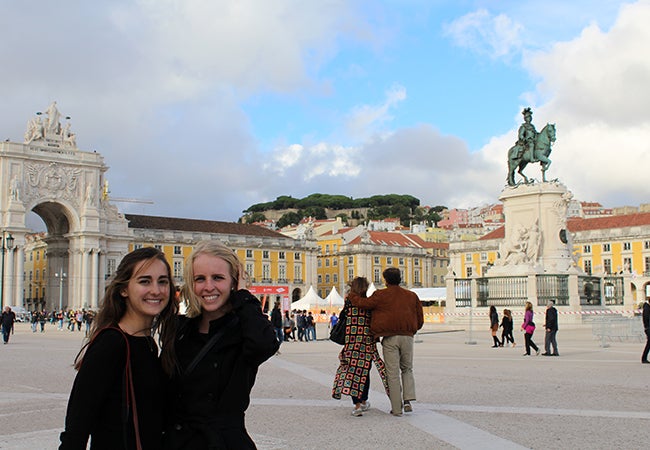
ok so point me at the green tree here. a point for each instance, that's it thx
(344, 218)
(255, 217)
(290, 218)
(317, 212)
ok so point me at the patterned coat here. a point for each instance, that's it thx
(359, 351)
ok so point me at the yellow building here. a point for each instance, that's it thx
(35, 271)
(279, 267)
(352, 252)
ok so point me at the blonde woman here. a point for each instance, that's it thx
(220, 344)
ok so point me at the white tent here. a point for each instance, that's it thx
(371, 289)
(311, 301)
(333, 299)
(431, 294)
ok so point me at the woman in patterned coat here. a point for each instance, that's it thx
(359, 352)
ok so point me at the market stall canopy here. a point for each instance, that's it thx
(311, 301)
(334, 298)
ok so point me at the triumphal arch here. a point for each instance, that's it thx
(48, 174)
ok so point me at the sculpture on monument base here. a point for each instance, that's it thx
(522, 248)
(531, 147)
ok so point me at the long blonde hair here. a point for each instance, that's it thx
(211, 248)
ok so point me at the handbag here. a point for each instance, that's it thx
(337, 333)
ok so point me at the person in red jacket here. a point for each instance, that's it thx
(396, 316)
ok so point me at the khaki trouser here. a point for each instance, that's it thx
(398, 357)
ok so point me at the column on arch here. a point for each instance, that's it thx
(19, 298)
(94, 277)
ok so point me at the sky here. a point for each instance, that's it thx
(206, 107)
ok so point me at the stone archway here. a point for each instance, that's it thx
(66, 187)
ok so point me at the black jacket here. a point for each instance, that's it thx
(96, 407)
(551, 319)
(207, 406)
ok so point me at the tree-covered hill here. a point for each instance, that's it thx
(323, 206)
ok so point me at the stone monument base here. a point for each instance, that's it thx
(536, 239)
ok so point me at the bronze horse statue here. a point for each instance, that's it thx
(519, 156)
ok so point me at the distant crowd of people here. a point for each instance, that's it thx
(286, 325)
(70, 320)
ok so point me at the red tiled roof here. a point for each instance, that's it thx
(197, 225)
(603, 223)
(575, 224)
(394, 239)
(499, 233)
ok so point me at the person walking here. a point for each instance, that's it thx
(551, 330)
(310, 327)
(506, 325)
(117, 398)
(300, 320)
(276, 321)
(8, 319)
(494, 326)
(528, 326)
(646, 327)
(288, 324)
(353, 374)
(396, 316)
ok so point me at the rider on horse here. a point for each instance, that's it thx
(527, 136)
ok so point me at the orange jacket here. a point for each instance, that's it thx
(395, 311)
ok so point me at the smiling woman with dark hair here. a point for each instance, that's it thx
(117, 396)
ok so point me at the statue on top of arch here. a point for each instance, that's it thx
(50, 129)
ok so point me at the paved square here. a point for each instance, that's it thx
(469, 396)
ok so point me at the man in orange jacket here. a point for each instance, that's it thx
(396, 316)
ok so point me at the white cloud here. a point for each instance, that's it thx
(365, 119)
(596, 89)
(481, 32)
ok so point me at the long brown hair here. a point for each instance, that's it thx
(113, 306)
(359, 285)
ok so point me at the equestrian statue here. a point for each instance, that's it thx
(531, 147)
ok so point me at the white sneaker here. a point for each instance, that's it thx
(408, 407)
(356, 412)
(365, 407)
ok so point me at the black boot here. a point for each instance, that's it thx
(496, 342)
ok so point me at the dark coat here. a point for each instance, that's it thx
(276, 317)
(551, 319)
(207, 405)
(646, 315)
(96, 407)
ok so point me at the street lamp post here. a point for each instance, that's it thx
(6, 244)
(60, 275)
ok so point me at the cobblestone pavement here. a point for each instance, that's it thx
(469, 396)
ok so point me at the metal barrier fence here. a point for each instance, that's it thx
(589, 290)
(502, 291)
(552, 287)
(463, 292)
(613, 290)
(619, 329)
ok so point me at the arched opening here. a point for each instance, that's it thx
(47, 259)
(296, 294)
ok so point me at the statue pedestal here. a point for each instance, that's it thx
(536, 239)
